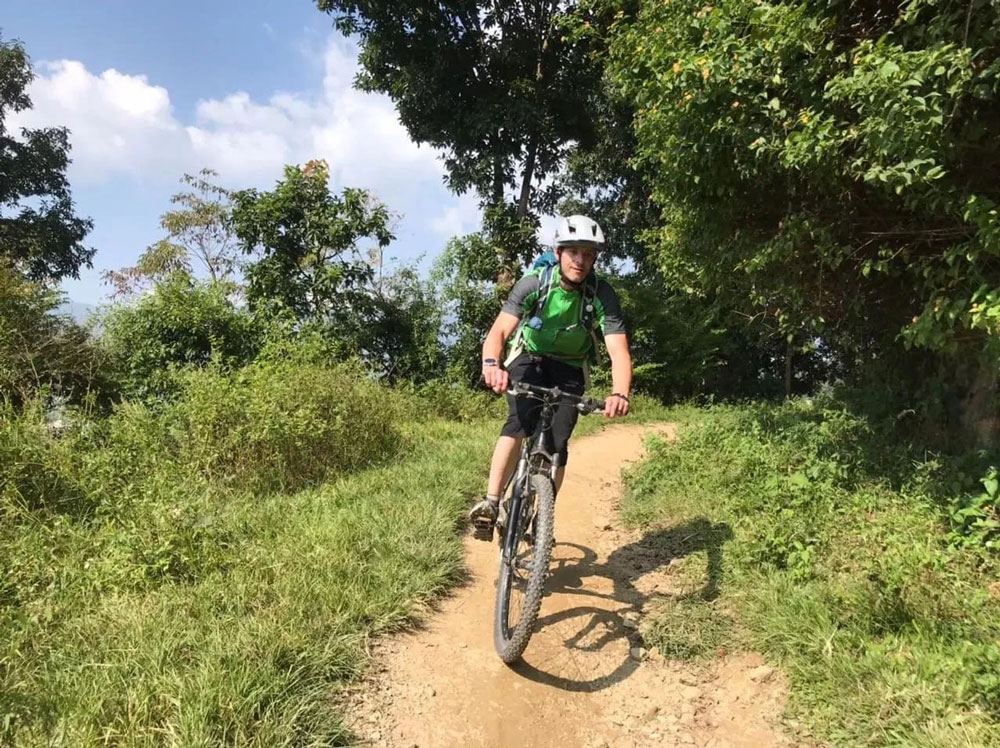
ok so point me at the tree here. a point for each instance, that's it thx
(470, 301)
(502, 87)
(198, 232)
(181, 322)
(403, 340)
(497, 84)
(39, 230)
(828, 169)
(305, 241)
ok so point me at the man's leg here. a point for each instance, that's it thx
(521, 417)
(484, 514)
(504, 461)
(568, 379)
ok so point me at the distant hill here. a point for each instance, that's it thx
(78, 311)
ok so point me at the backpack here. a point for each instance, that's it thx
(546, 265)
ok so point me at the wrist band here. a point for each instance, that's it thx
(489, 362)
(623, 397)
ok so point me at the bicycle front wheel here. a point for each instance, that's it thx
(522, 574)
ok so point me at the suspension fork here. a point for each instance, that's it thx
(520, 479)
(522, 476)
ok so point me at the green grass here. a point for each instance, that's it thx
(207, 572)
(246, 650)
(835, 551)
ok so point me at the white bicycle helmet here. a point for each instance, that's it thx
(578, 230)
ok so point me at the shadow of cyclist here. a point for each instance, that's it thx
(601, 623)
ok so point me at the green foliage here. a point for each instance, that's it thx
(310, 273)
(41, 352)
(279, 425)
(39, 231)
(823, 168)
(687, 628)
(172, 605)
(841, 564)
(465, 273)
(976, 522)
(455, 401)
(305, 241)
(181, 322)
(503, 87)
(402, 342)
(198, 231)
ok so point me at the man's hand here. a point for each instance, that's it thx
(496, 378)
(615, 405)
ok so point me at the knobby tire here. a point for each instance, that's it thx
(511, 637)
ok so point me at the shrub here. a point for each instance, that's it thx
(281, 425)
(453, 400)
(180, 323)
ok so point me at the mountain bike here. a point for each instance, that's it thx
(525, 522)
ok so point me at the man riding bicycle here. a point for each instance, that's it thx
(553, 313)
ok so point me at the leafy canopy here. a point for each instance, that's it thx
(304, 244)
(829, 167)
(39, 231)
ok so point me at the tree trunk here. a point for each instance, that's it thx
(544, 21)
(497, 174)
(529, 172)
(788, 370)
(981, 406)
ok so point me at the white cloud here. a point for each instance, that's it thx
(123, 125)
(118, 122)
(462, 217)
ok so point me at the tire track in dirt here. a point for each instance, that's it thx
(583, 681)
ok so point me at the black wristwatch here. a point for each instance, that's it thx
(490, 362)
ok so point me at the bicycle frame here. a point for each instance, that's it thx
(532, 446)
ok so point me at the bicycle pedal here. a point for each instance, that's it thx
(482, 531)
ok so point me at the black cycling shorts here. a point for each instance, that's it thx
(523, 412)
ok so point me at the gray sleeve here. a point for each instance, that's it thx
(522, 295)
(609, 310)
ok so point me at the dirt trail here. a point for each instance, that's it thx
(580, 683)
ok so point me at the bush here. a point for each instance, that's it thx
(43, 354)
(176, 606)
(180, 323)
(30, 482)
(453, 400)
(275, 425)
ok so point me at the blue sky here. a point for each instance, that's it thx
(153, 90)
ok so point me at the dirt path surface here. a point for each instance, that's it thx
(584, 680)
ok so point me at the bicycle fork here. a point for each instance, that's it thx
(520, 479)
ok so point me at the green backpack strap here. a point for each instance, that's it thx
(588, 316)
(588, 311)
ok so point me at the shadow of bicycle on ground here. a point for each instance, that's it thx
(610, 589)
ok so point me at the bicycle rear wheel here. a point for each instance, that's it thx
(522, 576)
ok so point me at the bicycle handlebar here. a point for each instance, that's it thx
(555, 395)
